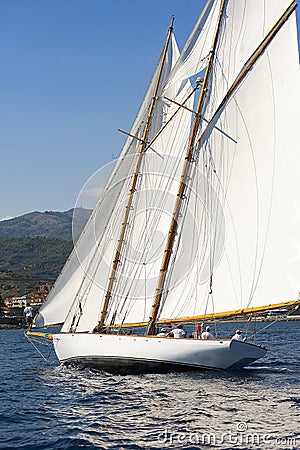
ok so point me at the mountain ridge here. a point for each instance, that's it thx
(48, 224)
(35, 246)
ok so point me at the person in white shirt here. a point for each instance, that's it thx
(178, 332)
(238, 336)
(207, 334)
(28, 314)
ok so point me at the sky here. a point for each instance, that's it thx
(72, 73)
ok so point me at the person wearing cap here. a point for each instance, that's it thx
(238, 336)
(163, 332)
(178, 332)
(207, 334)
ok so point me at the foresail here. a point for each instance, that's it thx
(76, 279)
(246, 232)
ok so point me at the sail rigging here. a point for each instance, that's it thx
(185, 235)
(134, 184)
(181, 195)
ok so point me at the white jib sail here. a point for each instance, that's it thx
(71, 286)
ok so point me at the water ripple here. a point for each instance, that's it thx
(49, 406)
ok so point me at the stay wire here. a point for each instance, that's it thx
(37, 349)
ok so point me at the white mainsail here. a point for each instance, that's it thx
(248, 211)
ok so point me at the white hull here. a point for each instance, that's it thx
(140, 354)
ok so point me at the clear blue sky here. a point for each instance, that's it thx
(72, 73)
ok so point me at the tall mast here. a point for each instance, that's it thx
(183, 185)
(142, 149)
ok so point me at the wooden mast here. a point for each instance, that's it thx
(142, 148)
(182, 186)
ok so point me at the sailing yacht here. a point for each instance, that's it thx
(199, 219)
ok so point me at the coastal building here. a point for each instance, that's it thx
(35, 298)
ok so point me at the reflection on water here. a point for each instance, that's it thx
(54, 407)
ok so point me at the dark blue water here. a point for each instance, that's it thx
(47, 406)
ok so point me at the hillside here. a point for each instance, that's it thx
(34, 248)
(33, 257)
(34, 260)
(48, 224)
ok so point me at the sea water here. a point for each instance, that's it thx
(45, 405)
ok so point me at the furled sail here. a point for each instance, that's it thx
(245, 236)
(76, 278)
